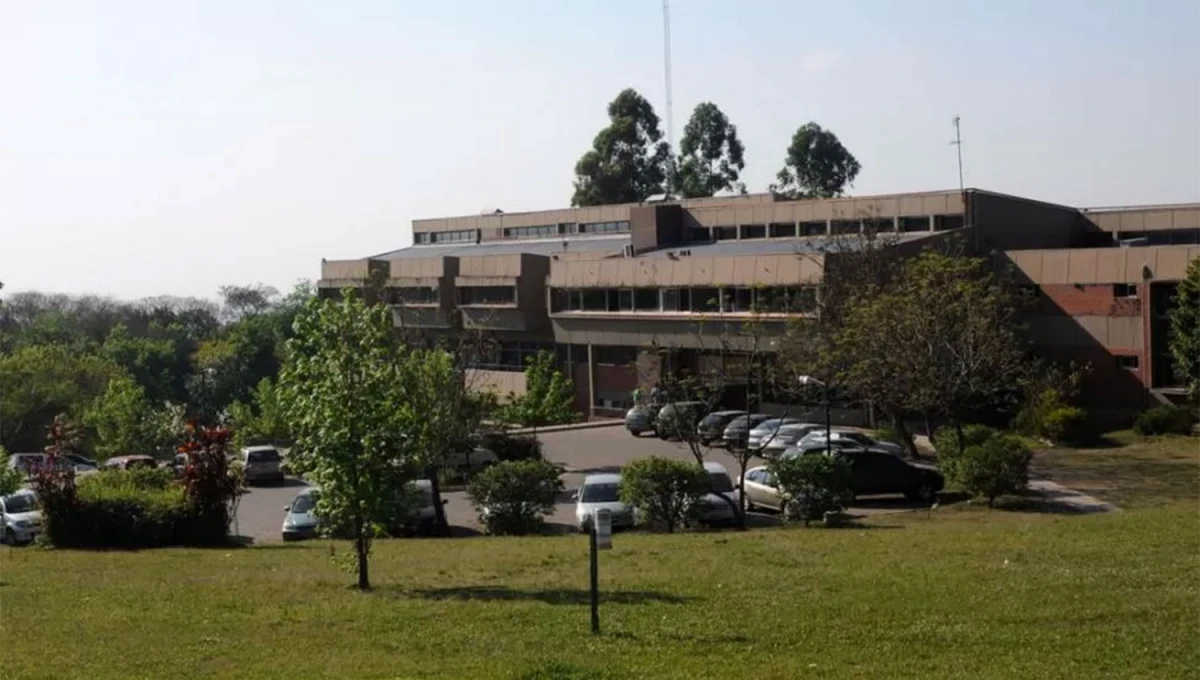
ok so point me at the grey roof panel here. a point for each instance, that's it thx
(533, 247)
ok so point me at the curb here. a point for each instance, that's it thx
(591, 424)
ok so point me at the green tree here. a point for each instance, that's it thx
(817, 165)
(549, 398)
(628, 161)
(812, 485)
(42, 381)
(11, 478)
(343, 391)
(262, 420)
(712, 154)
(665, 492)
(515, 496)
(125, 422)
(997, 466)
(153, 362)
(1185, 331)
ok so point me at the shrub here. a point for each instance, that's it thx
(1166, 419)
(1065, 425)
(514, 497)
(10, 478)
(945, 439)
(664, 491)
(513, 447)
(998, 466)
(812, 485)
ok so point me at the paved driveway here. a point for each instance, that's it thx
(581, 452)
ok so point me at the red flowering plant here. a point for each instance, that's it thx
(211, 484)
(54, 478)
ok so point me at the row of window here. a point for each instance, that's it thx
(548, 230)
(603, 227)
(460, 236)
(821, 228)
(801, 299)
(413, 295)
(1161, 237)
(487, 295)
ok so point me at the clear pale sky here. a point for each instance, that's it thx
(172, 147)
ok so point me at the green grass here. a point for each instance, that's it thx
(1128, 470)
(979, 595)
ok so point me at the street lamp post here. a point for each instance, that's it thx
(809, 380)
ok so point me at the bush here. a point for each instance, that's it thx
(513, 447)
(514, 497)
(945, 439)
(1166, 419)
(1065, 425)
(812, 485)
(665, 492)
(998, 466)
(11, 479)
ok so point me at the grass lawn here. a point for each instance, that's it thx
(1128, 471)
(987, 594)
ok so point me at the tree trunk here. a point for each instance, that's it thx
(360, 547)
(741, 511)
(439, 509)
(902, 431)
(962, 438)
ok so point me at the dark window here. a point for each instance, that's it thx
(738, 300)
(754, 231)
(603, 227)
(560, 299)
(540, 231)
(813, 228)
(705, 300)
(699, 235)
(1125, 290)
(460, 236)
(614, 355)
(914, 224)
(625, 300)
(645, 299)
(595, 300)
(487, 295)
(878, 225)
(783, 230)
(423, 295)
(421, 237)
(676, 299)
(1163, 237)
(803, 299)
(1129, 361)
(613, 300)
(846, 226)
(513, 355)
(947, 222)
(725, 233)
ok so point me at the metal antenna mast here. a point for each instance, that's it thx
(667, 74)
(958, 142)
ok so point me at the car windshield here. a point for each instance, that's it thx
(712, 419)
(22, 502)
(267, 456)
(305, 502)
(720, 482)
(27, 463)
(600, 493)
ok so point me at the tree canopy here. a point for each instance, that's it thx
(711, 154)
(1185, 330)
(628, 161)
(816, 166)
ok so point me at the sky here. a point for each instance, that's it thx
(170, 148)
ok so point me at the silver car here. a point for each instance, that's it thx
(640, 419)
(713, 509)
(816, 439)
(764, 432)
(786, 437)
(602, 492)
(20, 518)
(261, 464)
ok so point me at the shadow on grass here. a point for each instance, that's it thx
(567, 596)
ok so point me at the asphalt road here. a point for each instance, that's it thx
(581, 452)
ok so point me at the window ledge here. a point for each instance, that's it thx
(683, 316)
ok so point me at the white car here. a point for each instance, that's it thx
(786, 437)
(301, 521)
(764, 433)
(816, 439)
(261, 464)
(22, 519)
(713, 508)
(602, 492)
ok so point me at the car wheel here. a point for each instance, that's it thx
(10, 537)
(925, 492)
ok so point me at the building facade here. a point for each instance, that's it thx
(622, 293)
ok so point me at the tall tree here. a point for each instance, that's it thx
(343, 390)
(549, 398)
(1185, 330)
(817, 165)
(41, 382)
(628, 161)
(126, 422)
(242, 300)
(711, 157)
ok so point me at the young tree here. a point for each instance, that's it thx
(342, 388)
(262, 420)
(11, 478)
(125, 422)
(817, 165)
(514, 497)
(712, 154)
(1185, 330)
(999, 465)
(628, 161)
(549, 398)
(664, 491)
(40, 382)
(812, 485)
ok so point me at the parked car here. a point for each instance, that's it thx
(761, 491)
(712, 426)
(20, 518)
(640, 419)
(26, 463)
(601, 492)
(737, 432)
(679, 417)
(764, 432)
(300, 520)
(130, 463)
(81, 462)
(477, 458)
(713, 509)
(817, 437)
(878, 472)
(261, 464)
(786, 437)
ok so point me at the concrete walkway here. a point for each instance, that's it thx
(1069, 499)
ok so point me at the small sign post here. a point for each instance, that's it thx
(601, 539)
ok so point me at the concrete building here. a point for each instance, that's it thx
(601, 286)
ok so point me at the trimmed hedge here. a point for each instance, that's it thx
(513, 446)
(1166, 419)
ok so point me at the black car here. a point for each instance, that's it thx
(712, 426)
(879, 472)
(737, 432)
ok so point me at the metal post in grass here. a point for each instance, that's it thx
(599, 538)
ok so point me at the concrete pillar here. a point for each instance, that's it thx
(591, 383)
(932, 223)
(896, 224)
(828, 227)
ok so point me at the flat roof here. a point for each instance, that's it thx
(779, 246)
(575, 244)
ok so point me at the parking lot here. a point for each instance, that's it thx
(580, 451)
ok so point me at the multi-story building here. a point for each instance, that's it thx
(624, 292)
